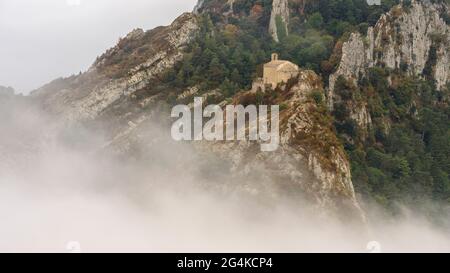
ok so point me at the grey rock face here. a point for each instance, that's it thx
(402, 38)
(280, 9)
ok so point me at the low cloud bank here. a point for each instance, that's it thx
(57, 186)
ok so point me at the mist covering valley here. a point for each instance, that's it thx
(59, 186)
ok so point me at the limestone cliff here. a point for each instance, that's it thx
(279, 18)
(410, 38)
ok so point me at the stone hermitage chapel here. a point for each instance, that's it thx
(275, 72)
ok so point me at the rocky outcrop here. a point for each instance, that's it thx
(87, 95)
(354, 62)
(310, 161)
(306, 129)
(279, 18)
(408, 38)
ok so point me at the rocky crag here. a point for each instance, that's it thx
(408, 38)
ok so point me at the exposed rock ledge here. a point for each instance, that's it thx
(401, 39)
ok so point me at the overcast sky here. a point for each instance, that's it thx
(45, 39)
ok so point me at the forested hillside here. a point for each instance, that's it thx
(403, 154)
